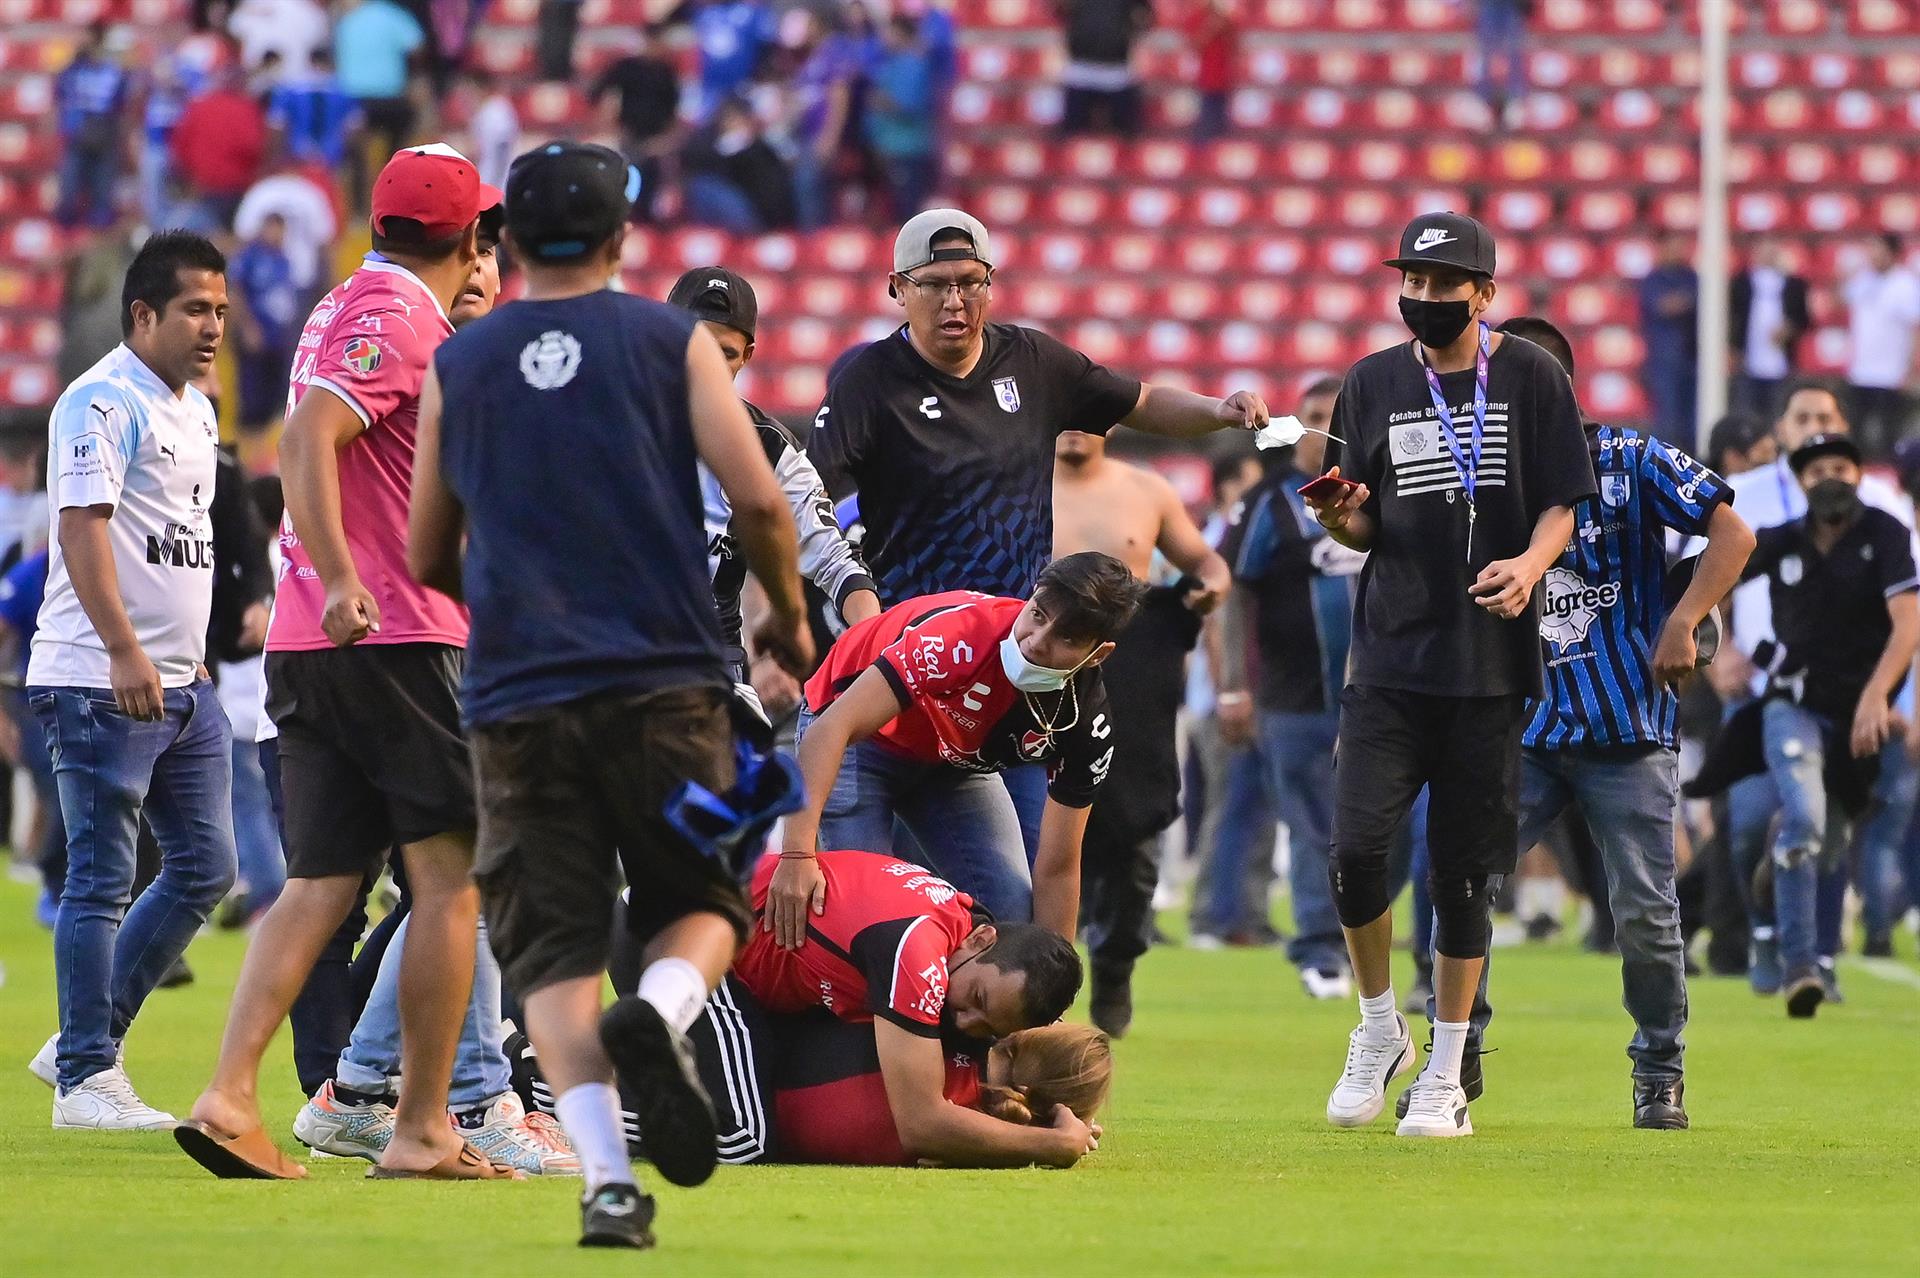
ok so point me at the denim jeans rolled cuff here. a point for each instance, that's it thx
(1238, 827)
(966, 823)
(481, 1070)
(1796, 759)
(1297, 753)
(110, 770)
(1629, 805)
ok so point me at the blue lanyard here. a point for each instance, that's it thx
(1469, 473)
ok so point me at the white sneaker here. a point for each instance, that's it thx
(504, 1132)
(1372, 1063)
(45, 1063)
(328, 1125)
(107, 1102)
(1436, 1109)
(1206, 941)
(1331, 984)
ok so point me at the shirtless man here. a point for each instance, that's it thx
(1124, 511)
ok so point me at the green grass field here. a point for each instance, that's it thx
(1804, 1157)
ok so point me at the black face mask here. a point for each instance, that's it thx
(1436, 324)
(1833, 501)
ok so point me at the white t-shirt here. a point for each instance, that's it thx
(291, 28)
(496, 139)
(311, 225)
(1882, 313)
(1766, 358)
(120, 438)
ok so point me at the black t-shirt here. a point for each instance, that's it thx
(1103, 31)
(649, 94)
(955, 474)
(1416, 627)
(1830, 611)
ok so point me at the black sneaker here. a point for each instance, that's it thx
(1110, 1006)
(1473, 1079)
(1657, 1104)
(656, 1066)
(617, 1216)
(1879, 945)
(1830, 982)
(1805, 992)
(177, 976)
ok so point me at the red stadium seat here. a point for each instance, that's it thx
(1898, 69)
(847, 251)
(1761, 69)
(1255, 109)
(1585, 305)
(1676, 211)
(1360, 15)
(1664, 164)
(1808, 162)
(1298, 207)
(1613, 396)
(1171, 342)
(1193, 300)
(1759, 210)
(1159, 161)
(1567, 257)
(1745, 162)
(1324, 110)
(1552, 68)
(1545, 112)
(1060, 253)
(1307, 160)
(1594, 161)
(1831, 212)
(1883, 18)
(1832, 70)
(1602, 211)
(1022, 158)
(1004, 204)
(1267, 65)
(1895, 211)
(1639, 17)
(1854, 111)
(1394, 110)
(1079, 204)
(1434, 15)
(1091, 158)
(1344, 67)
(1630, 111)
(826, 295)
(1519, 161)
(1210, 255)
(1243, 343)
(802, 387)
(1148, 207)
(1099, 340)
(1289, 15)
(1796, 17)
(29, 384)
(1452, 161)
(1234, 161)
(1616, 346)
(1117, 299)
(1369, 208)
(774, 254)
(1878, 165)
(1133, 254)
(1380, 161)
(1224, 207)
(1262, 301)
(1621, 67)
(1786, 111)
(1520, 210)
(1045, 299)
(1280, 256)
(1569, 17)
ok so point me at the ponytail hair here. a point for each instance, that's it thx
(1051, 1065)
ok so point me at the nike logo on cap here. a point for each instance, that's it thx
(1432, 237)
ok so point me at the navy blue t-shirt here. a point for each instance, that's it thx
(565, 434)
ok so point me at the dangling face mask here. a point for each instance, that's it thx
(1027, 676)
(1436, 324)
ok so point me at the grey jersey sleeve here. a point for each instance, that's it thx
(827, 558)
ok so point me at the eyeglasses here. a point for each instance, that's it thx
(937, 290)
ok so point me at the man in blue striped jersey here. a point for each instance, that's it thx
(1604, 735)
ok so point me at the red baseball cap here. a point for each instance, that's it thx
(435, 186)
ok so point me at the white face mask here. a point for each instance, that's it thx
(1026, 676)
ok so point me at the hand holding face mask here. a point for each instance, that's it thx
(1285, 432)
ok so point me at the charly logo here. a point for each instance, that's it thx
(550, 360)
(1572, 606)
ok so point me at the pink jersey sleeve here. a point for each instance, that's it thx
(376, 359)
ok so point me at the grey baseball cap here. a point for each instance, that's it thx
(913, 247)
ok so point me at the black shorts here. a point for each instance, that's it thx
(1465, 750)
(571, 795)
(371, 754)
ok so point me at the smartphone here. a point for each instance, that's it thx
(1327, 488)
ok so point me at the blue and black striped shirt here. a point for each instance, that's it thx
(1605, 600)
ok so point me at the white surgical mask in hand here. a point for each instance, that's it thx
(1285, 432)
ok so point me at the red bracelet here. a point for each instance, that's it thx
(796, 856)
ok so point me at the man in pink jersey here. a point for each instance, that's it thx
(363, 665)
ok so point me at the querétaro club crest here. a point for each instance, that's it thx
(1008, 392)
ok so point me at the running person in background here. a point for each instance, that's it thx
(913, 712)
(1604, 739)
(1129, 513)
(594, 710)
(362, 667)
(726, 307)
(947, 431)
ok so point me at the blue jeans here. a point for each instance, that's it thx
(256, 835)
(1238, 826)
(1502, 30)
(1629, 805)
(965, 822)
(1883, 839)
(1297, 753)
(480, 1068)
(814, 188)
(86, 179)
(716, 202)
(111, 770)
(1796, 760)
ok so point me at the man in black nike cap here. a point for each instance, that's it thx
(1462, 455)
(724, 303)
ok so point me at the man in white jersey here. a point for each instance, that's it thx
(117, 680)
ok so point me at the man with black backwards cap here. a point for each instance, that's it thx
(1845, 627)
(559, 441)
(947, 431)
(1462, 455)
(363, 664)
(726, 307)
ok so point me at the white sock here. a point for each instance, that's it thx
(1540, 898)
(1449, 1041)
(1377, 1013)
(677, 991)
(590, 1116)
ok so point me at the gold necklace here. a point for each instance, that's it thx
(1047, 727)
